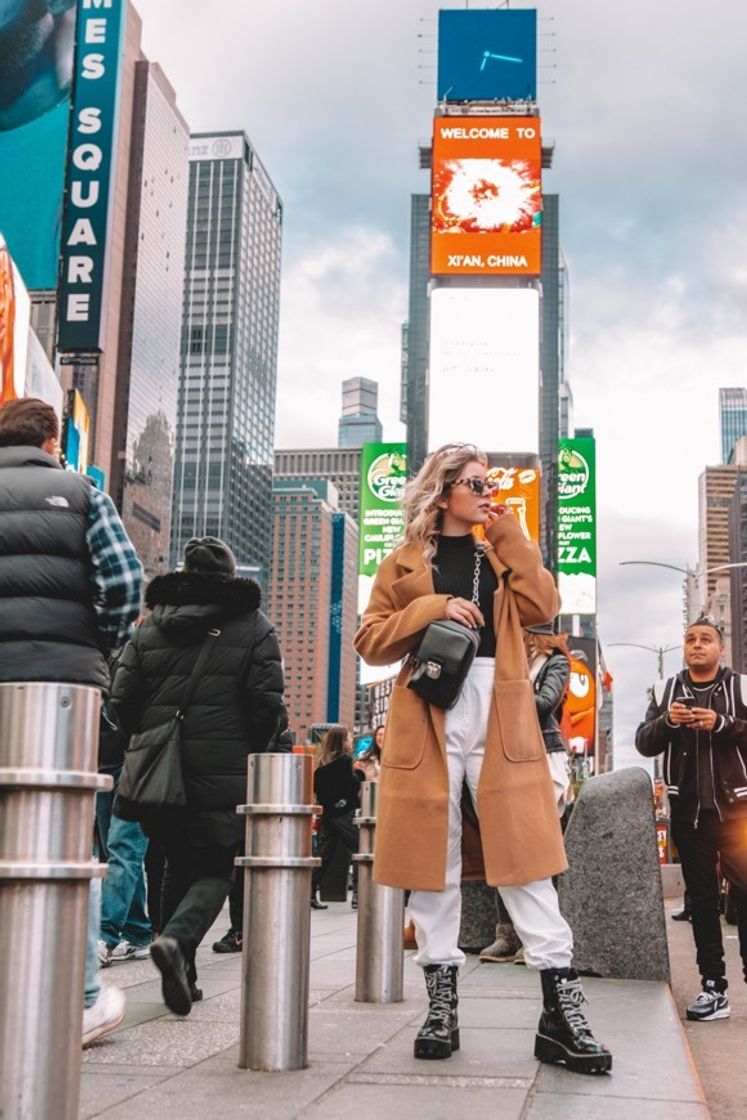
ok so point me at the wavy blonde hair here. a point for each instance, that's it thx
(423, 517)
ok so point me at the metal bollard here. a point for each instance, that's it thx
(277, 915)
(49, 736)
(379, 960)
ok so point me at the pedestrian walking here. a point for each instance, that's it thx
(70, 587)
(698, 720)
(206, 635)
(491, 739)
(337, 790)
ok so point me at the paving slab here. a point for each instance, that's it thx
(372, 1101)
(361, 1063)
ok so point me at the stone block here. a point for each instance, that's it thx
(478, 916)
(612, 893)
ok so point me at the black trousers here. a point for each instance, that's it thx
(335, 830)
(714, 849)
(196, 882)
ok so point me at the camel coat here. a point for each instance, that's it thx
(519, 826)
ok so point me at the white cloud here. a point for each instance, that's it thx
(341, 311)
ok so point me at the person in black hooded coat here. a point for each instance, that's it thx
(234, 712)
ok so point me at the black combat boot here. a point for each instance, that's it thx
(563, 1035)
(439, 1035)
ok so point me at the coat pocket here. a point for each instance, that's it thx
(519, 727)
(406, 730)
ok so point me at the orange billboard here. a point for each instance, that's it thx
(518, 488)
(486, 196)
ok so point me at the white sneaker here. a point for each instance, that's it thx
(104, 1016)
(709, 1004)
(126, 951)
(104, 954)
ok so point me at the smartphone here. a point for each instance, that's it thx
(686, 701)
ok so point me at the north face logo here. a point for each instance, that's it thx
(60, 502)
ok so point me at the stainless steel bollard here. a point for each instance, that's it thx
(379, 960)
(277, 913)
(49, 735)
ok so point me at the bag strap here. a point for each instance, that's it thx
(199, 665)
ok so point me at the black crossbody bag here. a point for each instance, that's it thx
(152, 778)
(445, 654)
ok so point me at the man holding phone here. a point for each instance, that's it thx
(698, 718)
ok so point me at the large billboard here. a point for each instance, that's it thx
(577, 532)
(487, 55)
(518, 482)
(36, 64)
(86, 219)
(381, 521)
(15, 319)
(484, 368)
(486, 209)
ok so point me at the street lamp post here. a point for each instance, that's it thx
(694, 574)
(659, 651)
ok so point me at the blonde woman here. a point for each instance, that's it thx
(491, 740)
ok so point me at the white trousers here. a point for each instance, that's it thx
(533, 907)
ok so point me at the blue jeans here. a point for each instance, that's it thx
(92, 985)
(123, 845)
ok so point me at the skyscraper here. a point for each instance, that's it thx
(414, 411)
(359, 422)
(732, 410)
(738, 555)
(341, 465)
(142, 474)
(226, 409)
(312, 601)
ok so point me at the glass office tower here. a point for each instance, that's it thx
(226, 414)
(732, 408)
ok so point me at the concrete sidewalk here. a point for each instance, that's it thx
(361, 1064)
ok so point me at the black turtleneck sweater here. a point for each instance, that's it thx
(453, 574)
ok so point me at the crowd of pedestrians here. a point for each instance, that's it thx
(190, 674)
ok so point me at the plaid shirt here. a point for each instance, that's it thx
(117, 575)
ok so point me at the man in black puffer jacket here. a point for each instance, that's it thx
(233, 713)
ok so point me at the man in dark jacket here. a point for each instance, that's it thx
(70, 585)
(233, 712)
(699, 720)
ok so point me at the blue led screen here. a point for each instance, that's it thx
(487, 55)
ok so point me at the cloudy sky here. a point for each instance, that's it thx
(645, 103)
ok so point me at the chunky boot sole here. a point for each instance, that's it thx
(554, 1053)
(434, 1049)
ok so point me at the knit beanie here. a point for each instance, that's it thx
(208, 554)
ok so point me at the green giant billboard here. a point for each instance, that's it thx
(577, 528)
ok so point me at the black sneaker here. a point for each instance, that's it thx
(709, 1004)
(169, 960)
(681, 916)
(231, 942)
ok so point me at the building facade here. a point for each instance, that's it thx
(359, 422)
(738, 576)
(414, 409)
(227, 386)
(715, 490)
(314, 613)
(142, 473)
(732, 410)
(340, 465)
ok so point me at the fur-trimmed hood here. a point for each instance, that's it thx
(204, 588)
(187, 602)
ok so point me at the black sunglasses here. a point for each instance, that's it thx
(476, 485)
